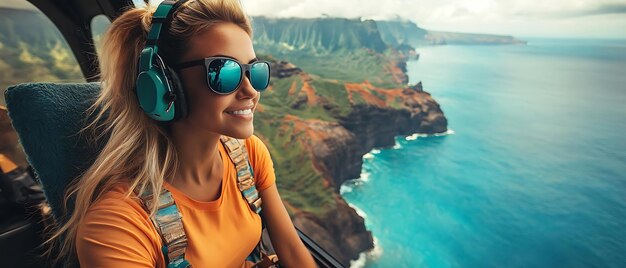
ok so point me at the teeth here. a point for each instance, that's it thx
(241, 112)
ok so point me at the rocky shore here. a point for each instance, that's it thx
(336, 149)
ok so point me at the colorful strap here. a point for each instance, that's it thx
(169, 224)
(245, 177)
(168, 220)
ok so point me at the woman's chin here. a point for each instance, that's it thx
(241, 133)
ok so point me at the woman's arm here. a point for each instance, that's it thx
(289, 248)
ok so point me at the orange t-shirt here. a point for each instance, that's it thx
(116, 232)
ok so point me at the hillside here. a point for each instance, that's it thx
(318, 36)
(398, 32)
(317, 131)
(334, 48)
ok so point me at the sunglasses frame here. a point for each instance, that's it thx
(245, 71)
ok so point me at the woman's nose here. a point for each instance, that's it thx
(246, 90)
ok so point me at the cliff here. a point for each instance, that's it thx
(399, 32)
(372, 124)
(317, 143)
(442, 38)
(317, 35)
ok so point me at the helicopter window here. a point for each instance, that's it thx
(99, 24)
(32, 49)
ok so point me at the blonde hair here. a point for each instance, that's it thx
(138, 151)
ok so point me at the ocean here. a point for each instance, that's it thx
(532, 172)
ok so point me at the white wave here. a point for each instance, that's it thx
(415, 136)
(349, 185)
(424, 135)
(365, 176)
(377, 251)
(375, 151)
(359, 262)
(397, 146)
(358, 211)
(345, 189)
(372, 254)
(368, 156)
(448, 132)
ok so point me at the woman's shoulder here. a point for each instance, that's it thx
(261, 162)
(116, 207)
(256, 146)
(115, 228)
(254, 141)
(117, 199)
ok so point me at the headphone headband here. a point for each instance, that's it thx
(161, 20)
(156, 91)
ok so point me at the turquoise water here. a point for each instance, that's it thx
(533, 173)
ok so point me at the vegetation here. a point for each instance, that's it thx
(398, 33)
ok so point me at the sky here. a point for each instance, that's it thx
(520, 18)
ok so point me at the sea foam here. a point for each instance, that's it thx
(372, 254)
(397, 146)
(345, 189)
(424, 135)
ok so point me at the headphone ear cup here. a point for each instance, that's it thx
(150, 88)
(153, 89)
(177, 88)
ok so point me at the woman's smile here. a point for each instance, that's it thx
(245, 112)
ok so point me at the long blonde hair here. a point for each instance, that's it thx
(138, 151)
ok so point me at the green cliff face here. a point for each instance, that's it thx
(317, 36)
(347, 50)
(399, 32)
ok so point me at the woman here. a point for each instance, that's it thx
(111, 223)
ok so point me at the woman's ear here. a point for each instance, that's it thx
(180, 103)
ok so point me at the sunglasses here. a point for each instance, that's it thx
(224, 75)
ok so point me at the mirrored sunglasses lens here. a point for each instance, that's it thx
(224, 75)
(260, 75)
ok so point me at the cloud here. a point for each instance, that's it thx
(433, 10)
(486, 16)
(610, 8)
(576, 11)
(571, 18)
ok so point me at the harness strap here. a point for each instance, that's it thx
(245, 176)
(168, 220)
(168, 223)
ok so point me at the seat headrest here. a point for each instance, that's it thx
(48, 118)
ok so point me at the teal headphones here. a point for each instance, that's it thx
(158, 88)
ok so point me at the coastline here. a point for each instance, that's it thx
(349, 186)
(336, 150)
